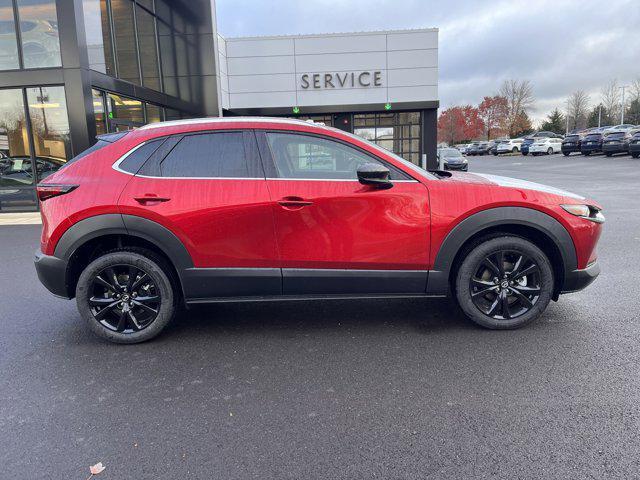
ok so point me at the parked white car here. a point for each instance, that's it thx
(510, 146)
(546, 145)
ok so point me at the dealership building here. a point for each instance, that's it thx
(74, 69)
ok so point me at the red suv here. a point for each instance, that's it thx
(237, 209)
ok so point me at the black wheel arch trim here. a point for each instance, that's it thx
(117, 224)
(438, 283)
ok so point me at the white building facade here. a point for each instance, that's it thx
(379, 85)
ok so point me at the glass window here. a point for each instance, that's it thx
(8, 40)
(208, 155)
(304, 156)
(153, 113)
(148, 51)
(16, 171)
(39, 33)
(98, 34)
(124, 113)
(136, 159)
(99, 112)
(396, 132)
(125, 39)
(50, 125)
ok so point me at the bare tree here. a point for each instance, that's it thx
(577, 109)
(635, 90)
(519, 95)
(610, 99)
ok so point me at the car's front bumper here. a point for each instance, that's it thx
(456, 166)
(52, 273)
(580, 279)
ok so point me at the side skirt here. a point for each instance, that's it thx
(304, 298)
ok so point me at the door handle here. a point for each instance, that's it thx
(150, 199)
(294, 203)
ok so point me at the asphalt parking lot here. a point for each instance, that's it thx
(336, 389)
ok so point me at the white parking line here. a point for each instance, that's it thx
(31, 218)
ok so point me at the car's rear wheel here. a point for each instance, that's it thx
(549, 151)
(504, 282)
(514, 150)
(566, 154)
(126, 296)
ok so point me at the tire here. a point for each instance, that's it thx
(566, 154)
(635, 155)
(586, 154)
(608, 154)
(514, 150)
(550, 151)
(525, 153)
(540, 283)
(495, 154)
(103, 308)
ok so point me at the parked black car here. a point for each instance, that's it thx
(591, 143)
(453, 159)
(634, 143)
(571, 143)
(483, 148)
(472, 149)
(614, 142)
(493, 150)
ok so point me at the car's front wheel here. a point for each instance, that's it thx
(126, 296)
(504, 282)
(550, 151)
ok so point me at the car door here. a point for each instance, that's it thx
(209, 189)
(335, 235)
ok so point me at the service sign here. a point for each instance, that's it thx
(320, 81)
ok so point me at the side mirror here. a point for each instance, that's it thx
(374, 175)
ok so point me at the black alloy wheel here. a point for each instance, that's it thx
(124, 298)
(128, 296)
(506, 284)
(504, 281)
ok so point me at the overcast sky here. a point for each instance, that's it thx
(559, 45)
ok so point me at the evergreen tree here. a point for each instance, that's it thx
(555, 122)
(632, 115)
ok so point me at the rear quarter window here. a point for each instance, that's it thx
(134, 161)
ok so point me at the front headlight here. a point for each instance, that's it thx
(588, 212)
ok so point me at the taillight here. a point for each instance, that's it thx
(46, 191)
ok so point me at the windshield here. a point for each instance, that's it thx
(450, 153)
(616, 135)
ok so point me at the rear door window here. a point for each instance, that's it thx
(212, 155)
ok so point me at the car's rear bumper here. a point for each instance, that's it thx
(614, 148)
(52, 273)
(579, 279)
(590, 148)
(570, 148)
